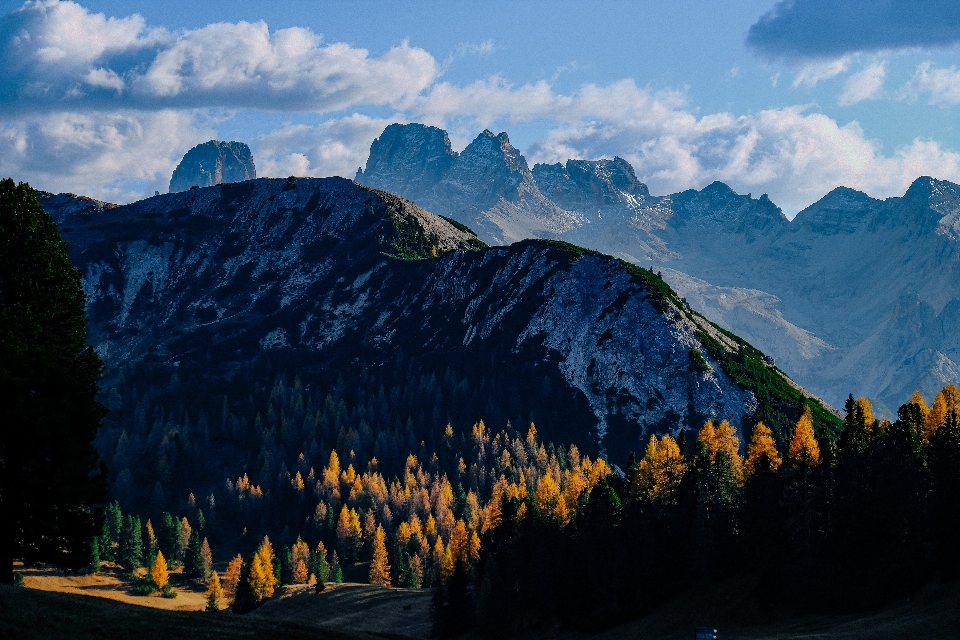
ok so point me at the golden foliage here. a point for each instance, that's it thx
(762, 446)
(159, 571)
(660, 471)
(804, 449)
(379, 567)
(231, 578)
(300, 573)
(215, 593)
(262, 580)
(723, 438)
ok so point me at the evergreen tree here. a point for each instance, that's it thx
(321, 568)
(51, 476)
(130, 546)
(95, 555)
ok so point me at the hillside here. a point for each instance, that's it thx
(202, 302)
(855, 295)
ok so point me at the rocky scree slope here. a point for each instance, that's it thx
(855, 295)
(315, 275)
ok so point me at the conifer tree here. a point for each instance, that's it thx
(321, 567)
(130, 545)
(762, 450)
(232, 577)
(51, 476)
(335, 569)
(379, 566)
(215, 594)
(659, 472)
(159, 571)
(95, 555)
(206, 560)
(804, 451)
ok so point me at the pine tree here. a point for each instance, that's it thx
(51, 476)
(159, 571)
(379, 566)
(130, 546)
(215, 593)
(321, 568)
(95, 555)
(335, 569)
(192, 557)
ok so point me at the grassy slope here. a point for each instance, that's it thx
(28, 614)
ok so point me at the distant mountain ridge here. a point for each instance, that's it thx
(855, 295)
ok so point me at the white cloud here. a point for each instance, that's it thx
(864, 85)
(118, 157)
(335, 147)
(56, 53)
(812, 72)
(942, 86)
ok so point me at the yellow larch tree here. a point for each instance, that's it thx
(379, 566)
(934, 418)
(159, 571)
(723, 437)
(762, 450)
(803, 449)
(215, 593)
(300, 554)
(660, 471)
(262, 579)
(231, 578)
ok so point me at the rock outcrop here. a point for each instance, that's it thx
(213, 163)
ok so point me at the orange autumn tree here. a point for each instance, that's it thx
(660, 471)
(804, 451)
(762, 451)
(379, 566)
(723, 439)
(262, 580)
(231, 578)
(159, 571)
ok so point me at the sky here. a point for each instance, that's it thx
(791, 98)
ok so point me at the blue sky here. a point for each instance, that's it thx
(790, 99)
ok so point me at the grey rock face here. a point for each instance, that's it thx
(213, 163)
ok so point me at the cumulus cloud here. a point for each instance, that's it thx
(802, 29)
(58, 55)
(941, 86)
(337, 147)
(118, 156)
(864, 85)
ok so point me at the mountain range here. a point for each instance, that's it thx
(854, 295)
(199, 300)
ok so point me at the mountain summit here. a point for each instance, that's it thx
(212, 163)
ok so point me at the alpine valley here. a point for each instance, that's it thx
(854, 295)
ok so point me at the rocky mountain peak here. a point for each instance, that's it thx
(213, 162)
(588, 185)
(408, 159)
(719, 205)
(840, 211)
